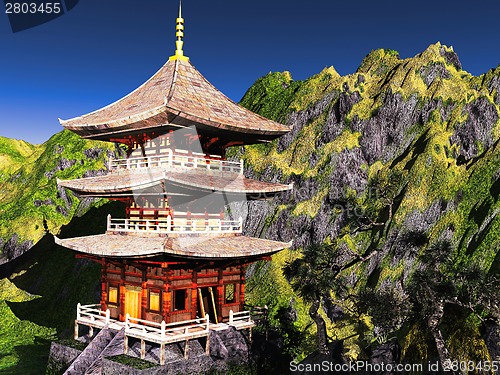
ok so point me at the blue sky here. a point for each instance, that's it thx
(103, 49)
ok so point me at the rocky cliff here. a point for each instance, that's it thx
(396, 169)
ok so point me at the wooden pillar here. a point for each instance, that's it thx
(76, 335)
(125, 344)
(194, 294)
(162, 354)
(207, 345)
(122, 292)
(186, 348)
(167, 295)
(143, 349)
(144, 297)
(241, 294)
(104, 285)
(144, 292)
(220, 293)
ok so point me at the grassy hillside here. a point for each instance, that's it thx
(397, 173)
(13, 154)
(39, 293)
(30, 202)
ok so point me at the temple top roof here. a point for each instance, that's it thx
(174, 97)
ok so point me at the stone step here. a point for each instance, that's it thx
(115, 347)
(82, 363)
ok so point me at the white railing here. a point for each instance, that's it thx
(176, 225)
(91, 316)
(177, 160)
(159, 333)
(241, 320)
(239, 317)
(162, 333)
(92, 313)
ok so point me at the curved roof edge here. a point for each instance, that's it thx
(177, 92)
(171, 181)
(203, 247)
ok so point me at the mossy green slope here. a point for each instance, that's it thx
(30, 203)
(421, 128)
(15, 332)
(40, 291)
(13, 154)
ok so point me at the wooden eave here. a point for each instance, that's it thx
(158, 181)
(176, 96)
(186, 247)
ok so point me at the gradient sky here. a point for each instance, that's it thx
(103, 49)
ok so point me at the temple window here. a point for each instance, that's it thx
(230, 293)
(113, 295)
(179, 299)
(154, 300)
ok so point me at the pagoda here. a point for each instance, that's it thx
(177, 256)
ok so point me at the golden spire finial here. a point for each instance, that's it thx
(179, 33)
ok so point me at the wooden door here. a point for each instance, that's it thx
(133, 302)
(206, 303)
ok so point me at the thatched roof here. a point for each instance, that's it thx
(176, 96)
(199, 247)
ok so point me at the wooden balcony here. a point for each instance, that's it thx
(177, 225)
(159, 333)
(178, 160)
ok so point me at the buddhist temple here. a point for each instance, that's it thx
(177, 258)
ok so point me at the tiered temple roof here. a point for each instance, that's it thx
(158, 181)
(188, 247)
(176, 96)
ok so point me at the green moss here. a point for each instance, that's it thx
(16, 333)
(466, 344)
(279, 90)
(35, 180)
(38, 302)
(315, 88)
(416, 347)
(133, 362)
(311, 206)
(268, 287)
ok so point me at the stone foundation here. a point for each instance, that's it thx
(227, 348)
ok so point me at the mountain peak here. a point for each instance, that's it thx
(378, 59)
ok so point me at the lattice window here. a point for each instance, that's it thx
(230, 293)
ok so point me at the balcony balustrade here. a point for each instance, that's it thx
(180, 225)
(177, 159)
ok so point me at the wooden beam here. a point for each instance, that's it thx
(143, 349)
(162, 354)
(213, 304)
(201, 302)
(186, 349)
